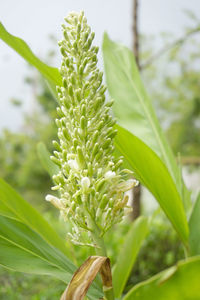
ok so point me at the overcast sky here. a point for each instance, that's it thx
(35, 20)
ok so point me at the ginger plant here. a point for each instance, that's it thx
(90, 182)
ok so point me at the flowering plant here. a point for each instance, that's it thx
(91, 182)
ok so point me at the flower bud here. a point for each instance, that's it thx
(73, 164)
(55, 201)
(109, 175)
(81, 158)
(85, 183)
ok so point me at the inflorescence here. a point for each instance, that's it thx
(90, 182)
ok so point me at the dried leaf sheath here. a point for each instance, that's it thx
(84, 276)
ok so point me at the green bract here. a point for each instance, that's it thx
(90, 181)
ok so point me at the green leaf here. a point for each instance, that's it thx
(14, 206)
(132, 106)
(194, 225)
(180, 282)
(152, 172)
(128, 254)
(45, 160)
(51, 74)
(24, 250)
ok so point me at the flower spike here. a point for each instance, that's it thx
(90, 182)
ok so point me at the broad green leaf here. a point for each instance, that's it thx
(152, 172)
(194, 225)
(14, 206)
(24, 250)
(128, 254)
(132, 106)
(45, 160)
(180, 282)
(51, 74)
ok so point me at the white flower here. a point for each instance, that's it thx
(127, 185)
(49, 198)
(109, 174)
(85, 182)
(73, 164)
(55, 201)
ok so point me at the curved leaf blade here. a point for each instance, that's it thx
(24, 250)
(179, 282)
(17, 44)
(128, 254)
(152, 172)
(133, 108)
(14, 206)
(194, 225)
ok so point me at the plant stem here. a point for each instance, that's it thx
(186, 251)
(100, 250)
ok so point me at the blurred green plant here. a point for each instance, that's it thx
(161, 249)
(177, 99)
(18, 158)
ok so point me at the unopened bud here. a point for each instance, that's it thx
(85, 183)
(73, 164)
(109, 175)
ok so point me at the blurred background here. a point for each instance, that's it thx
(165, 37)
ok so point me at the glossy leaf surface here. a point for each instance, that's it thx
(180, 282)
(24, 250)
(194, 225)
(14, 206)
(152, 172)
(21, 47)
(132, 106)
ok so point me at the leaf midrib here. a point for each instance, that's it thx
(34, 254)
(147, 185)
(151, 121)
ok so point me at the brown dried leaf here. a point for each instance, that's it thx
(85, 275)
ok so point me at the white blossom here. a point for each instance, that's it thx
(85, 182)
(109, 174)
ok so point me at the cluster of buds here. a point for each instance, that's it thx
(90, 182)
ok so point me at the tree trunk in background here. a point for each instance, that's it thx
(136, 203)
(135, 32)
